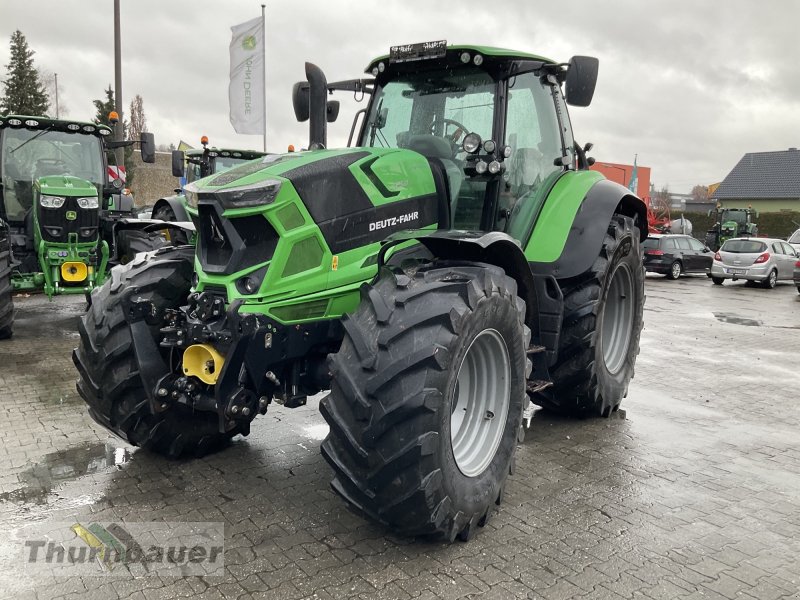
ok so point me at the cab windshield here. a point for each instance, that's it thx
(28, 154)
(734, 215)
(221, 164)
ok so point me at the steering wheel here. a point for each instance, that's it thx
(50, 166)
(458, 133)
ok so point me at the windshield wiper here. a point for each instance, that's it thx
(40, 134)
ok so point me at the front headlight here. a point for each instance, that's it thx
(90, 202)
(51, 201)
(254, 194)
(190, 193)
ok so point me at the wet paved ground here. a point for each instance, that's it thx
(693, 492)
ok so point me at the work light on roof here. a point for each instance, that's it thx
(477, 60)
(88, 128)
(32, 123)
(73, 127)
(465, 57)
(381, 66)
(103, 132)
(14, 122)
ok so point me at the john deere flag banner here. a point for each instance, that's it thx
(246, 90)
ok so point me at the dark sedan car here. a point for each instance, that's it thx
(673, 254)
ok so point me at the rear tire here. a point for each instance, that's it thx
(675, 270)
(109, 378)
(603, 315)
(771, 280)
(718, 280)
(421, 348)
(6, 302)
(173, 236)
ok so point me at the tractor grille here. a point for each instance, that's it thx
(56, 228)
(231, 245)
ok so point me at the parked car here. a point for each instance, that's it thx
(794, 240)
(797, 275)
(762, 260)
(673, 254)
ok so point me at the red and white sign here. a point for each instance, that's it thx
(115, 172)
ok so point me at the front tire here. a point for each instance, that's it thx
(603, 315)
(427, 397)
(109, 378)
(718, 280)
(6, 302)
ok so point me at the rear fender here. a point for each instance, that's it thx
(603, 199)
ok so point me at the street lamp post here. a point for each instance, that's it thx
(119, 130)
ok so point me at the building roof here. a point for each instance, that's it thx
(763, 175)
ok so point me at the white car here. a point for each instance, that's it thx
(762, 260)
(794, 240)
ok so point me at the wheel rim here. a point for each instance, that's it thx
(676, 270)
(480, 403)
(773, 278)
(617, 324)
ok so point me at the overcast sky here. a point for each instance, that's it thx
(689, 86)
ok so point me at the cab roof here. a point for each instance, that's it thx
(34, 122)
(486, 51)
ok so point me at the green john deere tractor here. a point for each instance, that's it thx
(201, 163)
(730, 223)
(63, 222)
(458, 262)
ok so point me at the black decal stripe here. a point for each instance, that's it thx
(376, 181)
(352, 231)
(328, 188)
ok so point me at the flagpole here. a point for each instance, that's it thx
(264, 49)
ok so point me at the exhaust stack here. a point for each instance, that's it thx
(318, 107)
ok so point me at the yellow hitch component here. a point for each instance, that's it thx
(203, 362)
(74, 272)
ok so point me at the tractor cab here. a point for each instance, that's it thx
(55, 199)
(491, 122)
(196, 163)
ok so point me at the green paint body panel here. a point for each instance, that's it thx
(52, 255)
(555, 219)
(332, 284)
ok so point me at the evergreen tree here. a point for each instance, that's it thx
(24, 91)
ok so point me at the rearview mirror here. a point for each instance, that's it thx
(178, 164)
(148, 147)
(300, 101)
(332, 110)
(581, 80)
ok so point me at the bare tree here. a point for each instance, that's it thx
(138, 120)
(700, 193)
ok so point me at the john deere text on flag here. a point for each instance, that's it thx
(246, 89)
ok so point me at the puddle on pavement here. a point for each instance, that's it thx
(64, 466)
(728, 318)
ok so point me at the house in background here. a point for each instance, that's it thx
(767, 181)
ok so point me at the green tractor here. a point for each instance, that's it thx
(458, 262)
(201, 163)
(63, 222)
(730, 223)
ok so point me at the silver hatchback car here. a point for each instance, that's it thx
(763, 260)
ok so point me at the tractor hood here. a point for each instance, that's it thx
(333, 182)
(65, 185)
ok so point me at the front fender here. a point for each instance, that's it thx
(178, 206)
